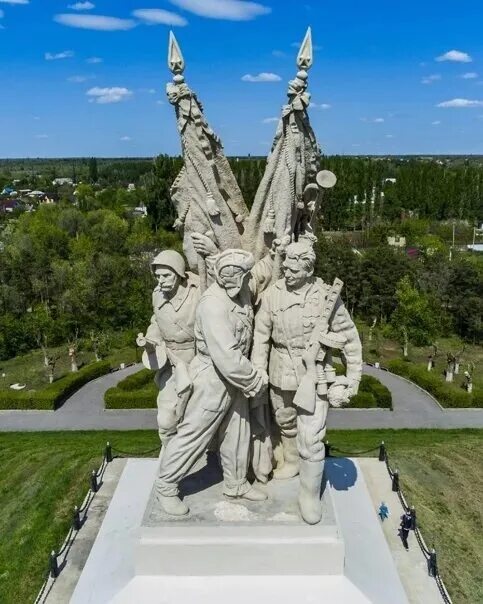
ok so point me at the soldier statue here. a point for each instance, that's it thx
(169, 343)
(223, 381)
(299, 320)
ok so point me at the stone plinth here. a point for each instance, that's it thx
(222, 537)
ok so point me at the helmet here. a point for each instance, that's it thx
(171, 259)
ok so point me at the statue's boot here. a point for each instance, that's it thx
(310, 506)
(173, 506)
(290, 466)
(253, 494)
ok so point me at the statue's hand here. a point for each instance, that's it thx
(352, 389)
(178, 224)
(141, 340)
(280, 243)
(260, 386)
(203, 245)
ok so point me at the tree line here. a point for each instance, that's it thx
(70, 269)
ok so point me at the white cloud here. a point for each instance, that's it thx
(376, 120)
(431, 78)
(94, 60)
(158, 16)
(82, 5)
(125, 138)
(41, 136)
(457, 56)
(389, 135)
(2, 14)
(261, 77)
(279, 54)
(436, 123)
(470, 75)
(15, 1)
(66, 54)
(96, 22)
(231, 10)
(270, 120)
(104, 96)
(460, 103)
(320, 106)
(79, 79)
(160, 102)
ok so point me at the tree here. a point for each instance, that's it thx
(93, 170)
(415, 319)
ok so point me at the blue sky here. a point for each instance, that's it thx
(88, 78)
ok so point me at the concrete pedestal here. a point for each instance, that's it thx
(239, 551)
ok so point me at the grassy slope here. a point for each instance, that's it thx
(44, 475)
(29, 368)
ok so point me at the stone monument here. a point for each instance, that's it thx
(243, 342)
(241, 503)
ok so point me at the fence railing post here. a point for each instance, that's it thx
(76, 521)
(382, 452)
(414, 523)
(53, 566)
(395, 481)
(94, 485)
(108, 452)
(327, 448)
(432, 563)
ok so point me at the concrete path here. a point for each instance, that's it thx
(84, 410)
(411, 564)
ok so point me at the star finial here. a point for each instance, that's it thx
(175, 58)
(305, 57)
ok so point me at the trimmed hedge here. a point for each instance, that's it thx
(52, 396)
(136, 381)
(448, 394)
(116, 398)
(371, 394)
(138, 391)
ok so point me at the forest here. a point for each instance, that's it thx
(81, 264)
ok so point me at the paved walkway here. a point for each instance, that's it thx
(84, 410)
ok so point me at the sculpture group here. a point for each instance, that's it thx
(242, 340)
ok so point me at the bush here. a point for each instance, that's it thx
(136, 381)
(136, 391)
(381, 393)
(447, 394)
(363, 400)
(116, 398)
(54, 394)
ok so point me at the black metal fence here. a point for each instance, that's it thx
(58, 559)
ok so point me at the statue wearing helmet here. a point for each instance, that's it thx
(169, 344)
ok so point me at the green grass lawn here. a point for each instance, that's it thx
(45, 474)
(29, 369)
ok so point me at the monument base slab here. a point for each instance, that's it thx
(236, 550)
